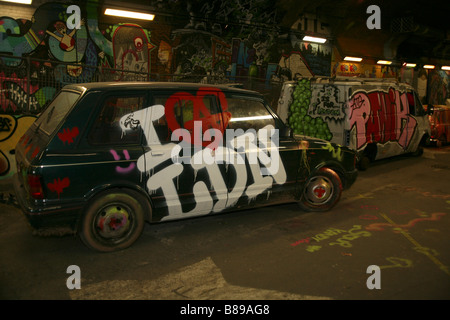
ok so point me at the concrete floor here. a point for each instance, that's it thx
(396, 216)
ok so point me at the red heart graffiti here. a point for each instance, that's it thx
(200, 113)
(58, 185)
(67, 135)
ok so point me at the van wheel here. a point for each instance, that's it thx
(113, 221)
(419, 151)
(364, 163)
(322, 191)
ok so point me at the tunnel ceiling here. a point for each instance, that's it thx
(410, 30)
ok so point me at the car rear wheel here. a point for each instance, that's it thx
(114, 220)
(322, 191)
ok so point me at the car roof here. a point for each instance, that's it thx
(107, 86)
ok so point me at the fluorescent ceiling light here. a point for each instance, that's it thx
(314, 39)
(251, 118)
(445, 67)
(384, 62)
(409, 65)
(19, 1)
(428, 66)
(356, 59)
(129, 14)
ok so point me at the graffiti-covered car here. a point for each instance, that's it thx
(105, 158)
(378, 118)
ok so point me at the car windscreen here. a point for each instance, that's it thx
(56, 111)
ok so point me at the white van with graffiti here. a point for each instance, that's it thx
(379, 118)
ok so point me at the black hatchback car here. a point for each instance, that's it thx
(104, 158)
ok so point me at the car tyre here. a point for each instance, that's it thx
(113, 221)
(418, 152)
(322, 191)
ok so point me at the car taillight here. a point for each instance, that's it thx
(35, 187)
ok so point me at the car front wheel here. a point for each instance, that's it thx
(114, 220)
(322, 191)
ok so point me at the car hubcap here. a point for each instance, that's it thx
(113, 221)
(318, 191)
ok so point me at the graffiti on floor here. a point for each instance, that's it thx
(396, 262)
(383, 225)
(334, 236)
(346, 237)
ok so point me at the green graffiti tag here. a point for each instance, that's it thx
(335, 152)
(300, 119)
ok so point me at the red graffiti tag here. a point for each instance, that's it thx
(192, 108)
(410, 224)
(67, 135)
(380, 116)
(58, 185)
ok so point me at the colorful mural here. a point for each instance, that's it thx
(234, 41)
(439, 87)
(241, 44)
(12, 129)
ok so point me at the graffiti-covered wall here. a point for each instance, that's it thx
(227, 41)
(439, 87)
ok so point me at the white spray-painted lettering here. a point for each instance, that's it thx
(260, 149)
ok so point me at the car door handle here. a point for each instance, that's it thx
(157, 153)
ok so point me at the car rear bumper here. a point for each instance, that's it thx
(43, 218)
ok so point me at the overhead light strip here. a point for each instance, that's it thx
(19, 1)
(385, 62)
(314, 39)
(428, 66)
(409, 65)
(129, 14)
(355, 59)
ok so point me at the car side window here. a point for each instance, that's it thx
(106, 128)
(248, 114)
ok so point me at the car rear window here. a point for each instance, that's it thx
(56, 111)
(106, 129)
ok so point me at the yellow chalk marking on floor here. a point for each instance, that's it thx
(419, 247)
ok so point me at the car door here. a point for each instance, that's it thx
(181, 181)
(114, 151)
(262, 164)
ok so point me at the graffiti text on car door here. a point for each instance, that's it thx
(257, 151)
